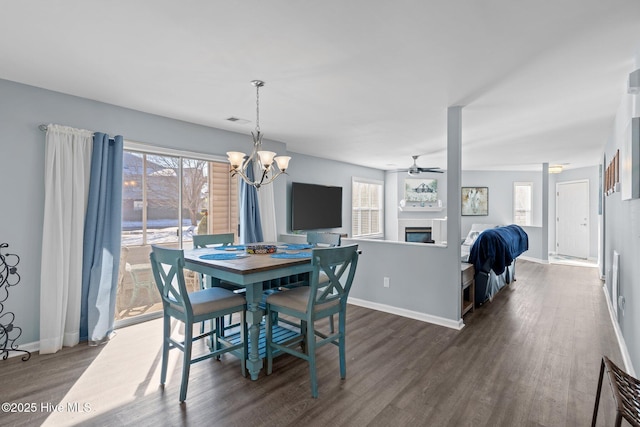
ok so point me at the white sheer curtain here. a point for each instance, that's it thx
(267, 209)
(67, 173)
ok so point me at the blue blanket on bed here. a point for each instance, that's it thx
(498, 247)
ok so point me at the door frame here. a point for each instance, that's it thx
(587, 213)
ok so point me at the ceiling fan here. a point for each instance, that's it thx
(416, 170)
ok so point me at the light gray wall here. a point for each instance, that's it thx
(500, 184)
(22, 109)
(419, 280)
(423, 278)
(622, 233)
(315, 170)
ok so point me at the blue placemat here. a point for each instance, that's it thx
(222, 256)
(230, 248)
(297, 246)
(292, 255)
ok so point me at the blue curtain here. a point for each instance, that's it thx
(250, 225)
(102, 236)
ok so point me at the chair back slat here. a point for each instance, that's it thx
(339, 265)
(204, 240)
(167, 265)
(323, 239)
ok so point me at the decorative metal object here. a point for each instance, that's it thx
(9, 277)
(265, 159)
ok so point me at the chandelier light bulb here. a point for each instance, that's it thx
(266, 158)
(235, 158)
(282, 162)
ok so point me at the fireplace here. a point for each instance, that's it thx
(418, 235)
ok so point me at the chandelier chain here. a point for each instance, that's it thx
(257, 108)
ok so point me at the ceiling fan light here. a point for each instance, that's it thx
(555, 168)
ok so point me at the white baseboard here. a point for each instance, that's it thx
(536, 260)
(626, 357)
(436, 320)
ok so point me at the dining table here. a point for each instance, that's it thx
(248, 271)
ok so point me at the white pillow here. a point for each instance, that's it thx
(471, 237)
(475, 231)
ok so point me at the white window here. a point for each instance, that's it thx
(522, 202)
(366, 208)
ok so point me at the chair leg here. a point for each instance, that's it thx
(186, 366)
(595, 408)
(200, 279)
(342, 345)
(311, 352)
(134, 295)
(618, 419)
(165, 348)
(216, 331)
(303, 332)
(331, 327)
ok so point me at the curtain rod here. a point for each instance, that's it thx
(44, 127)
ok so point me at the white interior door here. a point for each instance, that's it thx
(572, 219)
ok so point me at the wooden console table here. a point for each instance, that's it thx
(467, 271)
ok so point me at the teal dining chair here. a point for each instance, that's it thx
(207, 304)
(213, 240)
(318, 239)
(206, 240)
(309, 304)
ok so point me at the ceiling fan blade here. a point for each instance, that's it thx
(420, 170)
(433, 170)
(416, 170)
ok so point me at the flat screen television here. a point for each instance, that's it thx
(315, 206)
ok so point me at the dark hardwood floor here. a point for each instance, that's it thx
(529, 358)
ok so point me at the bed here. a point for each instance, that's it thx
(493, 250)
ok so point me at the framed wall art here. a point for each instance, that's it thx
(421, 191)
(475, 201)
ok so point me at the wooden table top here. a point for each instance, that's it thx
(246, 265)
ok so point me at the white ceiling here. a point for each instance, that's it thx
(364, 81)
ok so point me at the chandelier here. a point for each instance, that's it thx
(240, 165)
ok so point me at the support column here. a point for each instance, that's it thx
(454, 180)
(545, 213)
